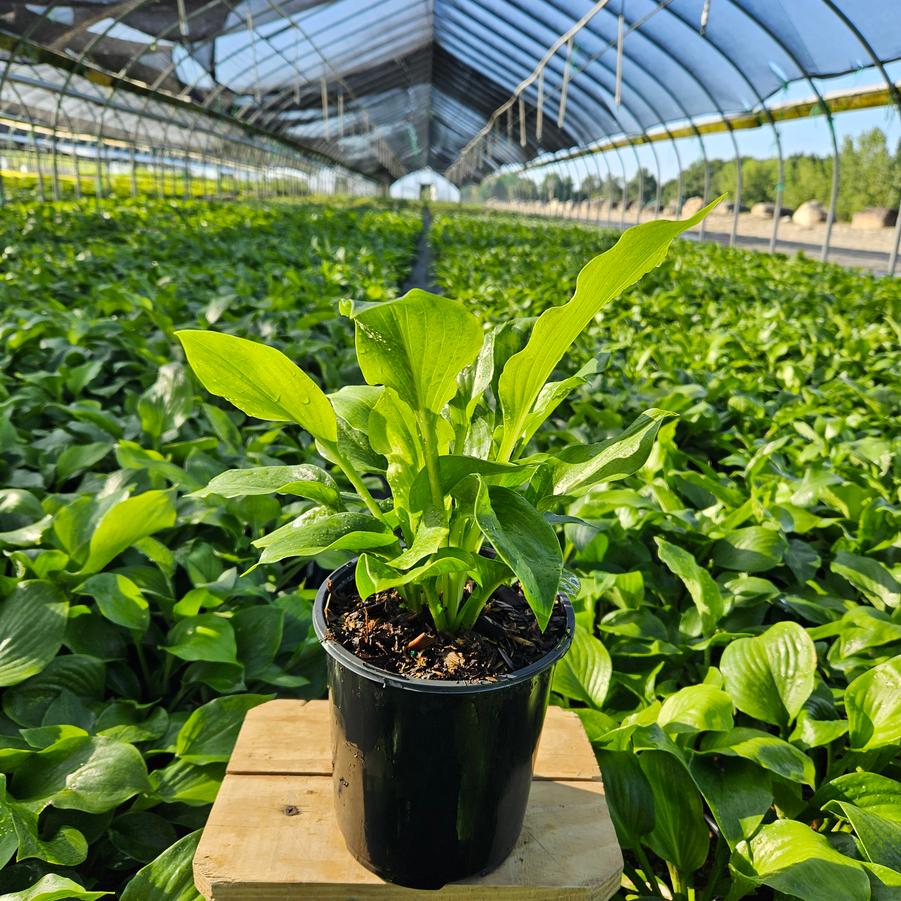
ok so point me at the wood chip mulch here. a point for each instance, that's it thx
(385, 634)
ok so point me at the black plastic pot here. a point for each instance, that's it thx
(431, 777)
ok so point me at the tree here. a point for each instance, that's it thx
(648, 184)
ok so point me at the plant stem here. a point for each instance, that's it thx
(720, 859)
(632, 873)
(678, 883)
(356, 480)
(142, 661)
(167, 671)
(649, 874)
(430, 440)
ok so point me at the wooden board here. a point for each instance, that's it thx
(272, 834)
(271, 743)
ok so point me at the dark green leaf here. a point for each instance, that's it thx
(169, 877)
(118, 599)
(525, 542)
(629, 795)
(32, 625)
(209, 733)
(680, 833)
(750, 550)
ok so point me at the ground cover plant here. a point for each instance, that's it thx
(446, 416)
(130, 642)
(738, 668)
(737, 660)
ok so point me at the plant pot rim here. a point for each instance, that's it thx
(338, 652)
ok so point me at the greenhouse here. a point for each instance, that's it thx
(450, 449)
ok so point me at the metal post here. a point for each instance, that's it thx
(37, 160)
(836, 182)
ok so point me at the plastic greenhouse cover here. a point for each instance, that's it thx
(415, 81)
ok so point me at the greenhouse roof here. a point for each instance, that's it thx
(392, 86)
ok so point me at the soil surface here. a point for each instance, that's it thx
(385, 634)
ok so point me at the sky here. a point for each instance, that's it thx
(808, 135)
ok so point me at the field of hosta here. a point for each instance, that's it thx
(738, 661)
(740, 668)
(131, 643)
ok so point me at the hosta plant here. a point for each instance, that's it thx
(446, 419)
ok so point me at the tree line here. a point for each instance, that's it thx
(870, 176)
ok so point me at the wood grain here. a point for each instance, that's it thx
(272, 835)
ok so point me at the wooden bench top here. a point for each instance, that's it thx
(272, 834)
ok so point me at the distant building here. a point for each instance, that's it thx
(425, 184)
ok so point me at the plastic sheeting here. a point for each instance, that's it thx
(392, 86)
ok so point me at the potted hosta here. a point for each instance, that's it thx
(443, 631)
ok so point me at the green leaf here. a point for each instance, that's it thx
(680, 833)
(885, 884)
(54, 888)
(259, 380)
(319, 531)
(697, 708)
(80, 676)
(636, 253)
(417, 345)
(119, 600)
(131, 722)
(703, 590)
(32, 625)
(258, 633)
(869, 791)
(428, 539)
(67, 847)
(810, 732)
(869, 577)
(578, 468)
(303, 481)
(583, 674)
(525, 542)
(209, 733)
(454, 468)
(629, 796)
(880, 837)
(354, 405)
(791, 858)
(750, 550)
(89, 773)
(738, 794)
(168, 878)
(373, 576)
(873, 706)
(771, 675)
(184, 783)
(168, 402)
(765, 750)
(207, 636)
(395, 433)
(126, 523)
(141, 834)
(80, 457)
(552, 395)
